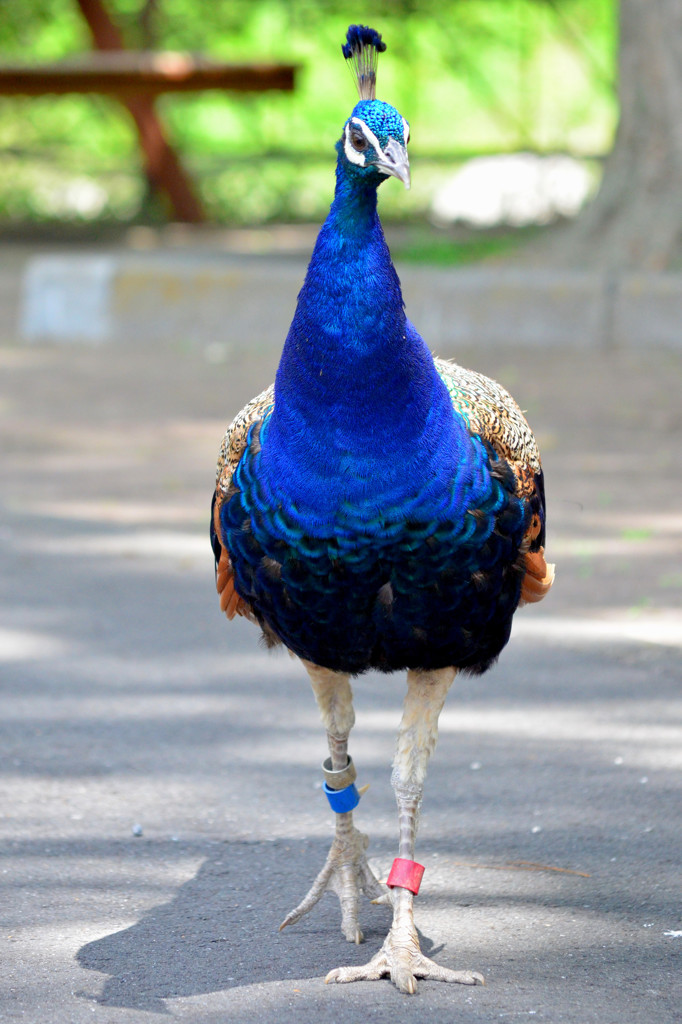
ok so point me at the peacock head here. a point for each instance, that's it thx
(375, 136)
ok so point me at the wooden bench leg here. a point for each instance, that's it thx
(162, 162)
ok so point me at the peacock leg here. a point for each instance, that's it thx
(400, 956)
(346, 871)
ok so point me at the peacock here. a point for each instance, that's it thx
(376, 508)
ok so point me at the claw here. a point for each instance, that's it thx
(404, 981)
(384, 900)
(345, 872)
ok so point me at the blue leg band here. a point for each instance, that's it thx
(342, 800)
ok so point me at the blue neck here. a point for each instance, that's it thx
(357, 396)
(349, 325)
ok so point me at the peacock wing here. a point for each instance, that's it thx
(490, 411)
(231, 450)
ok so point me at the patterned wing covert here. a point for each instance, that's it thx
(234, 441)
(231, 450)
(490, 411)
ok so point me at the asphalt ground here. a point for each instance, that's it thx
(161, 804)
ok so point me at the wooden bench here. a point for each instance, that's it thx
(124, 73)
(136, 78)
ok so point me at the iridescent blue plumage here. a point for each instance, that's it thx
(383, 119)
(360, 36)
(425, 581)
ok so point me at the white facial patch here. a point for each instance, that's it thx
(406, 131)
(369, 135)
(352, 153)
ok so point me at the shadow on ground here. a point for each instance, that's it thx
(210, 938)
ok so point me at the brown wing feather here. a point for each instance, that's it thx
(538, 579)
(230, 601)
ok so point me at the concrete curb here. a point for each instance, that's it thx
(238, 302)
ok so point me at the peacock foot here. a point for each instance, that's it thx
(401, 959)
(345, 872)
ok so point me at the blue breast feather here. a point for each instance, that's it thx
(381, 590)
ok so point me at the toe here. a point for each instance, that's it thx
(367, 972)
(353, 933)
(384, 900)
(404, 980)
(432, 971)
(341, 975)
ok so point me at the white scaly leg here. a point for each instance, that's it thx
(346, 871)
(400, 956)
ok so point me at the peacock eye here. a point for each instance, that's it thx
(358, 142)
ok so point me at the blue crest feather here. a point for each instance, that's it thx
(362, 48)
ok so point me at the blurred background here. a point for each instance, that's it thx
(513, 106)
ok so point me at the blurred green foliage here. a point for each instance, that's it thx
(471, 76)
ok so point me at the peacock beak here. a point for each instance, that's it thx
(395, 161)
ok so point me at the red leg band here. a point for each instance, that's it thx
(406, 874)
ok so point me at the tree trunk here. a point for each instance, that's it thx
(635, 221)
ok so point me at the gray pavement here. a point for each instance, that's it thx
(551, 823)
